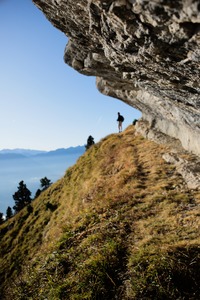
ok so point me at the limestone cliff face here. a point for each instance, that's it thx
(145, 53)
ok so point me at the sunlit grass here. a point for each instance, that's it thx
(114, 227)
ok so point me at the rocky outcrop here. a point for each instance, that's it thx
(187, 164)
(145, 53)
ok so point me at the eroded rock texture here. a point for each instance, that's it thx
(145, 53)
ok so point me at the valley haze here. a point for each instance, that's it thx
(30, 166)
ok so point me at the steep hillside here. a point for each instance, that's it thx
(121, 224)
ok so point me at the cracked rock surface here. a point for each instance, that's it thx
(145, 53)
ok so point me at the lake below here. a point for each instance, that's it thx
(30, 170)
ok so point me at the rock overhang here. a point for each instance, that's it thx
(145, 53)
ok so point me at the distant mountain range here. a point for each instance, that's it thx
(23, 153)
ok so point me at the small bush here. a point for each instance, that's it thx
(51, 207)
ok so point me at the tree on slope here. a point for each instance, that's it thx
(9, 213)
(90, 142)
(22, 197)
(45, 183)
(1, 218)
(37, 193)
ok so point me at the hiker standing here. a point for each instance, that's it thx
(120, 119)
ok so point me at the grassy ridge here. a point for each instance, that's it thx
(120, 224)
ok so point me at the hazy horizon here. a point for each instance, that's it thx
(31, 169)
(30, 149)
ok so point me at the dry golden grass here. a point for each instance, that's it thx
(112, 228)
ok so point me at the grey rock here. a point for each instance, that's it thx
(146, 53)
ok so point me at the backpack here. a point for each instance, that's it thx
(122, 118)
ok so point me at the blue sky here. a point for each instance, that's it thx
(45, 104)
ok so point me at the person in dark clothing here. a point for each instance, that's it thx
(120, 119)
